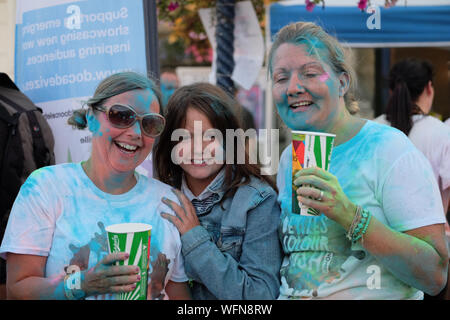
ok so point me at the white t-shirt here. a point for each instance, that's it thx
(60, 213)
(380, 170)
(432, 137)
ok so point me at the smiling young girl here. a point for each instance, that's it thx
(229, 213)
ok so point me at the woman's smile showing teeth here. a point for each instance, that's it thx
(300, 106)
(126, 148)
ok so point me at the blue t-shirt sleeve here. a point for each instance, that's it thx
(410, 194)
(178, 274)
(31, 221)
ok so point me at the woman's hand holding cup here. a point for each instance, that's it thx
(107, 277)
(319, 189)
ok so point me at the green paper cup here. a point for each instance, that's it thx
(133, 238)
(309, 149)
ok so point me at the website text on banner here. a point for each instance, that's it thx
(65, 48)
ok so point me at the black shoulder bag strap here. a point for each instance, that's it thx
(40, 151)
(5, 176)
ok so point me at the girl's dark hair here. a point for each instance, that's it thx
(111, 86)
(407, 80)
(221, 110)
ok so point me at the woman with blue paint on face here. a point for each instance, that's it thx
(380, 234)
(57, 224)
(229, 212)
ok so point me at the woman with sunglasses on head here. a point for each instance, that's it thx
(380, 231)
(228, 214)
(57, 224)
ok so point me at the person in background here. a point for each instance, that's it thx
(57, 223)
(380, 233)
(169, 82)
(229, 213)
(410, 102)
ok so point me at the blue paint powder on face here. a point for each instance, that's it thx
(297, 121)
(137, 128)
(147, 102)
(292, 120)
(313, 47)
(94, 125)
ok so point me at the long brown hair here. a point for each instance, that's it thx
(220, 109)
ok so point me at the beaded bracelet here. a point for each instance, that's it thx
(355, 221)
(364, 224)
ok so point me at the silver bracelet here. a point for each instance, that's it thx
(355, 222)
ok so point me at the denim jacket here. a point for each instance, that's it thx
(236, 254)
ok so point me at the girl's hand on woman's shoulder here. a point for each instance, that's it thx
(185, 217)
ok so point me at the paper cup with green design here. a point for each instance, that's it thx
(309, 149)
(133, 238)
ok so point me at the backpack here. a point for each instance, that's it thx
(26, 144)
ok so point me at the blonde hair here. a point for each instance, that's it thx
(324, 46)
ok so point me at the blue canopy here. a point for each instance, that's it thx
(424, 25)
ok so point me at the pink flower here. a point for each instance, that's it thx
(173, 6)
(192, 35)
(197, 36)
(198, 58)
(362, 4)
(309, 5)
(188, 50)
(195, 52)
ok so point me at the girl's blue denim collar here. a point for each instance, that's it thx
(214, 187)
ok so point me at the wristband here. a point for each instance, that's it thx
(356, 220)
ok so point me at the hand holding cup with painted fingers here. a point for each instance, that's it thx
(326, 195)
(186, 217)
(106, 277)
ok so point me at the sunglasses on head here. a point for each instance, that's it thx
(124, 116)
